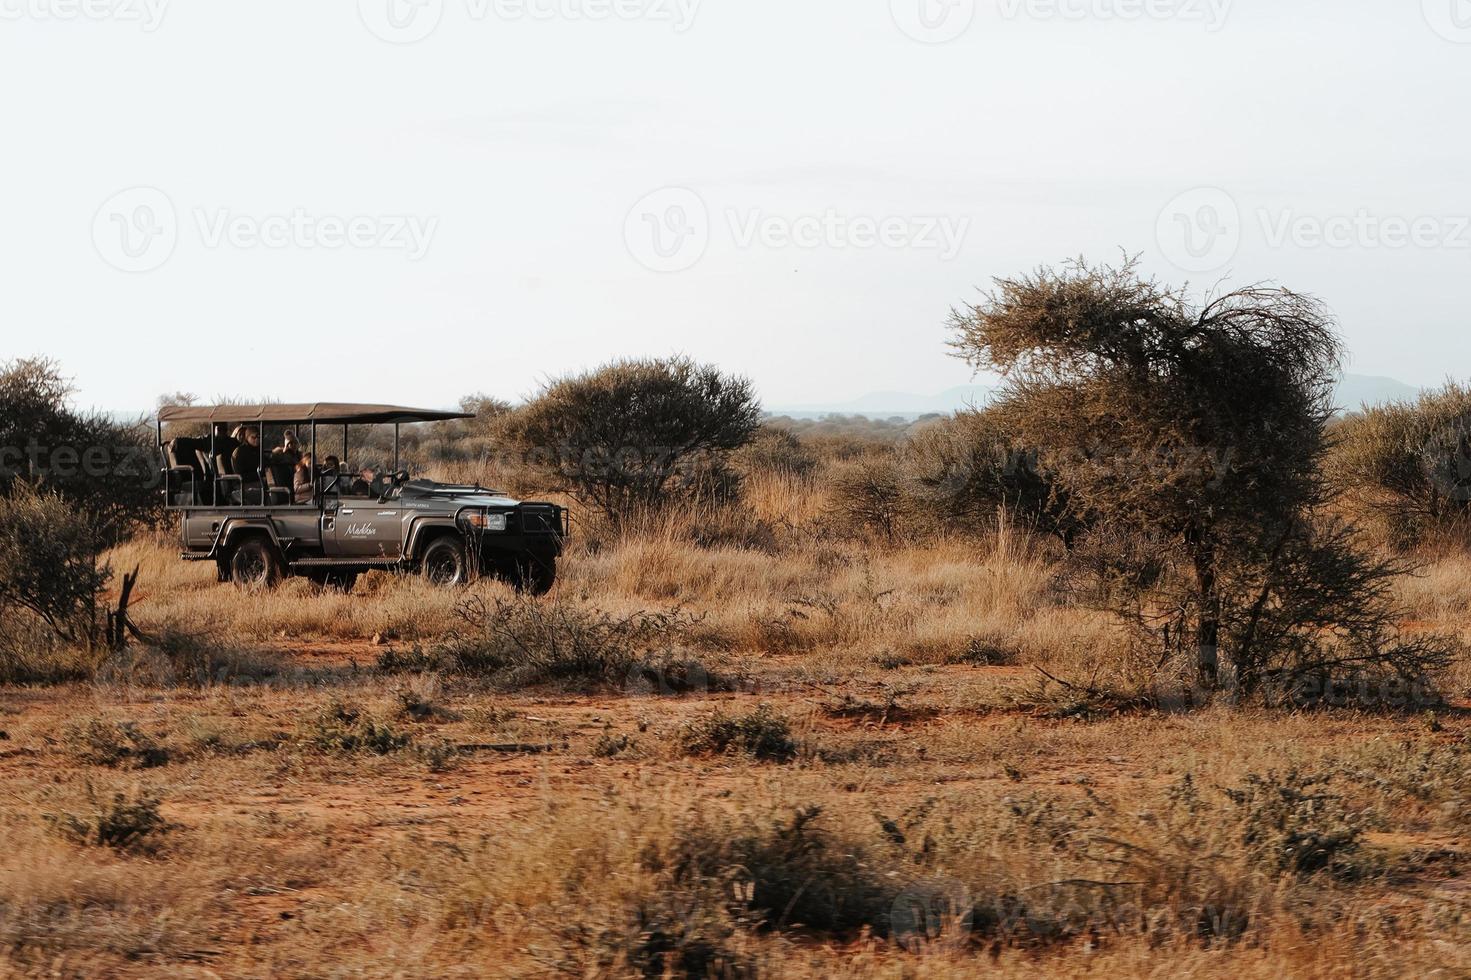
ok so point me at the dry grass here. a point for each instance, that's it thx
(859, 796)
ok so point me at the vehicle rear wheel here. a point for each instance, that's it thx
(445, 562)
(534, 576)
(254, 564)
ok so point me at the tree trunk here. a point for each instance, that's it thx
(1208, 630)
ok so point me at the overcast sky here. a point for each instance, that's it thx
(411, 200)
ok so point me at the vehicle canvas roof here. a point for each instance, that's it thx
(333, 413)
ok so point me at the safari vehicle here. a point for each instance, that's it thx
(265, 524)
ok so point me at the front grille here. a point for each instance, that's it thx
(540, 520)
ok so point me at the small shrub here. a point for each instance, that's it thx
(775, 449)
(415, 661)
(99, 743)
(761, 734)
(439, 755)
(1291, 824)
(868, 496)
(521, 641)
(124, 823)
(795, 872)
(1433, 775)
(419, 701)
(343, 728)
(174, 655)
(609, 745)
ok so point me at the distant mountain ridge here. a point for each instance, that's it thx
(1354, 392)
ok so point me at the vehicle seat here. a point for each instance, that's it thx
(185, 474)
(225, 477)
(278, 483)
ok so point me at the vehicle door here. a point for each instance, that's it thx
(364, 527)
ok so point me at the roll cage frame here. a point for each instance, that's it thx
(315, 415)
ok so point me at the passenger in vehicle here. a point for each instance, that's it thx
(289, 451)
(366, 484)
(302, 487)
(246, 458)
(224, 443)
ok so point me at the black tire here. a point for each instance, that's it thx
(254, 564)
(534, 576)
(445, 563)
(336, 581)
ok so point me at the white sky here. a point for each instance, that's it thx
(520, 146)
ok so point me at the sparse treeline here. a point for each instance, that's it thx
(1181, 456)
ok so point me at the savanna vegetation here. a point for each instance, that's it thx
(1154, 666)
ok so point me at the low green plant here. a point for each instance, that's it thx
(761, 734)
(344, 728)
(114, 744)
(124, 822)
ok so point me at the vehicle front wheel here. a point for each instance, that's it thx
(445, 563)
(254, 564)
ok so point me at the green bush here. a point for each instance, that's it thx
(761, 734)
(636, 434)
(124, 823)
(115, 744)
(344, 728)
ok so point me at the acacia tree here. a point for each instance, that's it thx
(1200, 431)
(635, 433)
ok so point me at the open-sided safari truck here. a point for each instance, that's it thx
(259, 517)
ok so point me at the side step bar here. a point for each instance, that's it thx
(343, 562)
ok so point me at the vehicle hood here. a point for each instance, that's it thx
(430, 494)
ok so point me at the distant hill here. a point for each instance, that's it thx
(890, 404)
(1354, 392)
(1357, 390)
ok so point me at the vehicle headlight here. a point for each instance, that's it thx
(482, 521)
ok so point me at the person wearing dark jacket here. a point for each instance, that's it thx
(246, 458)
(224, 443)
